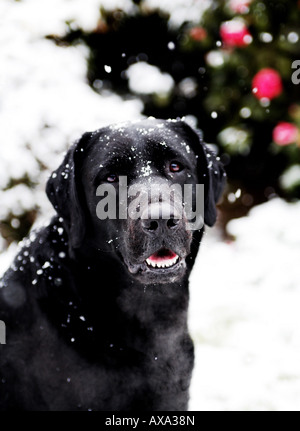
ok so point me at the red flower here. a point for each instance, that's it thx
(235, 33)
(285, 133)
(267, 84)
(198, 33)
(239, 6)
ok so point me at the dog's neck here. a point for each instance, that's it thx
(106, 301)
(105, 277)
(126, 308)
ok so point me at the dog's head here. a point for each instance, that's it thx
(126, 189)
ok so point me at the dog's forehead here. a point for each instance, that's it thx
(142, 132)
(139, 139)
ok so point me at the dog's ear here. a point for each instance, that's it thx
(211, 172)
(63, 191)
(215, 183)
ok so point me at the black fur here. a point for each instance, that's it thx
(89, 326)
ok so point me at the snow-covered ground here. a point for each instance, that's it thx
(244, 314)
(244, 295)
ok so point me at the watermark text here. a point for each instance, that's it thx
(154, 201)
(2, 332)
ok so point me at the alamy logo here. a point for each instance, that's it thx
(296, 74)
(152, 201)
(2, 332)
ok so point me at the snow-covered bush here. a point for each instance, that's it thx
(45, 103)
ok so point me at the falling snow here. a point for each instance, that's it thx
(146, 171)
(244, 316)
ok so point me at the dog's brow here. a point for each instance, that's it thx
(167, 151)
(114, 164)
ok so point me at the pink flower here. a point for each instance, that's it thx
(235, 33)
(285, 133)
(240, 6)
(267, 84)
(198, 33)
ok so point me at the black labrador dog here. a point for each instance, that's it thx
(95, 304)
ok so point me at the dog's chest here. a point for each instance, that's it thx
(126, 380)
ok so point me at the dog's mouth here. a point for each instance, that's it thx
(163, 266)
(162, 259)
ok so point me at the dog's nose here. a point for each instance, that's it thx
(160, 217)
(152, 226)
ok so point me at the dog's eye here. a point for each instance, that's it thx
(175, 167)
(112, 178)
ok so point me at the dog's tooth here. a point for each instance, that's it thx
(166, 264)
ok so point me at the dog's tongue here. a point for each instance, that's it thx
(162, 256)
